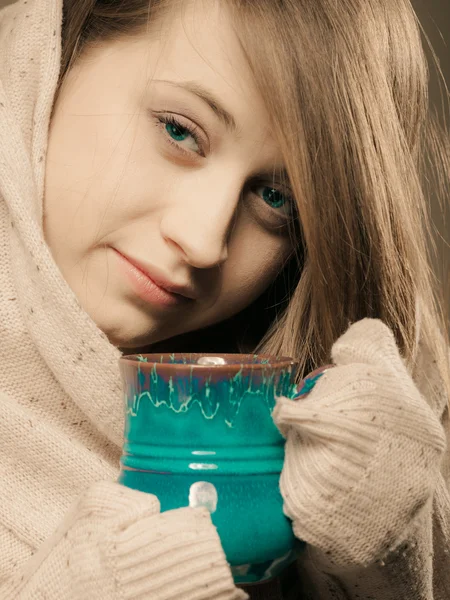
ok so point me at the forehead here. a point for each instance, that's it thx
(197, 43)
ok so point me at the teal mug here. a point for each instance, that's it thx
(199, 432)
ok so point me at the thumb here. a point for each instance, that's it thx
(369, 342)
(108, 499)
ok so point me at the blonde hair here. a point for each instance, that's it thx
(346, 85)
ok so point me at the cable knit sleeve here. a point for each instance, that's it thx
(362, 478)
(114, 543)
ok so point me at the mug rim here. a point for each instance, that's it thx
(148, 361)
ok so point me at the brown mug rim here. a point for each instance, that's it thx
(275, 362)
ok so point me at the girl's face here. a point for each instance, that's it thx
(161, 160)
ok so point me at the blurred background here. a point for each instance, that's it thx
(434, 16)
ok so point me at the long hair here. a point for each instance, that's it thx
(346, 85)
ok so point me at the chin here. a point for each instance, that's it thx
(128, 328)
(131, 330)
(131, 337)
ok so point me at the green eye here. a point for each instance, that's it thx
(274, 198)
(177, 132)
(181, 136)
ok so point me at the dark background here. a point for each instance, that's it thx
(434, 16)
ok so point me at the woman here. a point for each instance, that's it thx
(250, 172)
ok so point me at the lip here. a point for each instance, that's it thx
(151, 286)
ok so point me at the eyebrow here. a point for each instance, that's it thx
(208, 97)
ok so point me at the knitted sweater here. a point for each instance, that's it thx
(375, 527)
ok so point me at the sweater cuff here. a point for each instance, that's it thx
(156, 558)
(363, 456)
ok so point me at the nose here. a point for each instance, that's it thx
(198, 224)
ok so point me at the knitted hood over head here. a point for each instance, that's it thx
(61, 395)
(38, 311)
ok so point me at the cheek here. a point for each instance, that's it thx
(255, 259)
(97, 177)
